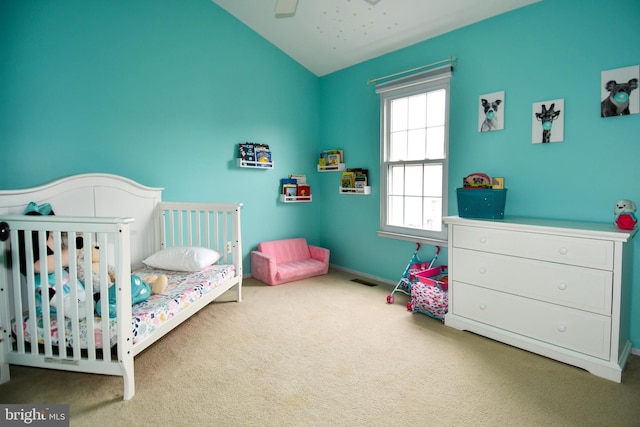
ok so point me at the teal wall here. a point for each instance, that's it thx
(162, 91)
(550, 50)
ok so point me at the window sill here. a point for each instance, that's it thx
(416, 239)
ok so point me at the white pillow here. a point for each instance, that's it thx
(182, 258)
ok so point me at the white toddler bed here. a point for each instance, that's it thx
(128, 222)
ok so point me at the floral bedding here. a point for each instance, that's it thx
(184, 288)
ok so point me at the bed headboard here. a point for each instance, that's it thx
(92, 195)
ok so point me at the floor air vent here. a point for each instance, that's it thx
(364, 282)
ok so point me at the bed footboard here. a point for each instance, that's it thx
(47, 313)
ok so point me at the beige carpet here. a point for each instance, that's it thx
(331, 352)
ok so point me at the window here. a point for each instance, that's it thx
(413, 160)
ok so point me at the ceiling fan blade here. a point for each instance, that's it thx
(286, 8)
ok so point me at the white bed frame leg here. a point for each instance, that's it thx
(4, 366)
(128, 377)
(4, 373)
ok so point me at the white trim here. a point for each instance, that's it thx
(416, 79)
(412, 238)
(431, 80)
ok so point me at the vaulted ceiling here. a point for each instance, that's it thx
(329, 35)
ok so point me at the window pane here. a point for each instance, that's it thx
(417, 111)
(413, 212)
(413, 180)
(433, 213)
(435, 142)
(416, 145)
(398, 148)
(436, 102)
(399, 108)
(395, 211)
(433, 181)
(396, 180)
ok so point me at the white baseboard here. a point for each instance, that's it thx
(635, 351)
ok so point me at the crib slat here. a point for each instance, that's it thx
(59, 296)
(216, 236)
(44, 301)
(207, 227)
(74, 285)
(88, 284)
(17, 290)
(104, 294)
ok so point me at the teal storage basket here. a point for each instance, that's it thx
(483, 203)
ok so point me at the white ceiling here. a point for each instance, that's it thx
(329, 35)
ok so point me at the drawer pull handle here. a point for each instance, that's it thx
(483, 307)
(483, 240)
(482, 270)
(562, 328)
(562, 286)
(563, 251)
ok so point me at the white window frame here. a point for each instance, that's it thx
(427, 81)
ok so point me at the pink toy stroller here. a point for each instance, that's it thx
(415, 269)
(430, 293)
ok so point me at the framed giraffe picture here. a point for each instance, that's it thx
(547, 121)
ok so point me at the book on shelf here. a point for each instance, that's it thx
(304, 192)
(287, 182)
(300, 178)
(247, 152)
(361, 177)
(348, 179)
(290, 190)
(263, 154)
(331, 157)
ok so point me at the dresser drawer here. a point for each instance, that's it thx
(575, 330)
(578, 287)
(547, 247)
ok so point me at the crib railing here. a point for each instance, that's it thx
(46, 332)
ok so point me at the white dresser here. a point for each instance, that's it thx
(557, 288)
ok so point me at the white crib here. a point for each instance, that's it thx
(129, 222)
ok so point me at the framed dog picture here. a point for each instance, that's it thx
(491, 112)
(619, 92)
(547, 121)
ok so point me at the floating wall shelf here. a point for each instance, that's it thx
(365, 191)
(254, 164)
(294, 199)
(332, 168)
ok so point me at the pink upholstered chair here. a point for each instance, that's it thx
(287, 260)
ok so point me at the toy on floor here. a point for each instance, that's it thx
(414, 269)
(430, 295)
(625, 216)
